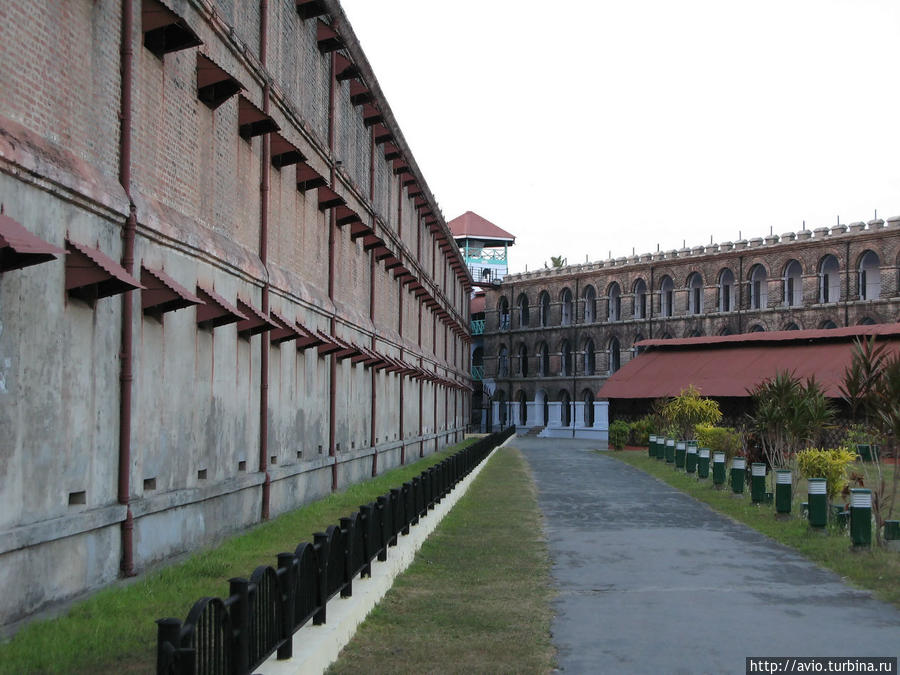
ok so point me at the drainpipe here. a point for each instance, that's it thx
(373, 374)
(740, 294)
(574, 365)
(333, 322)
(263, 256)
(652, 286)
(400, 325)
(847, 287)
(126, 376)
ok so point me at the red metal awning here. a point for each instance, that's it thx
(730, 371)
(308, 9)
(328, 198)
(285, 329)
(359, 229)
(19, 248)
(252, 121)
(344, 68)
(284, 152)
(309, 337)
(214, 84)
(308, 178)
(91, 274)
(328, 345)
(163, 294)
(216, 310)
(164, 30)
(359, 93)
(344, 215)
(327, 38)
(255, 323)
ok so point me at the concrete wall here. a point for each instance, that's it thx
(197, 469)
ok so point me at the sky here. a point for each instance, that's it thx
(597, 128)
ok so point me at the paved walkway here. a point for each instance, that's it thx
(651, 581)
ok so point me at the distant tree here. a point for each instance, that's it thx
(556, 261)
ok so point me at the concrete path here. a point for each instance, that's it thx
(651, 581)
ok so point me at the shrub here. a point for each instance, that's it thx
(721, 439)
(640, 431)
(829, 464)
(618, 434)
(688, 409)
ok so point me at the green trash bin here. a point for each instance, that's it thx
(703, 463)
(680, 448)
(757, 482)
(660, 447)
(690, 459)
(670, 451)
(738, 469)
(892, 530)
(817, 504)
(861, 517)
(867, 452)
(718, 469)
(783, 495)
(651, 446)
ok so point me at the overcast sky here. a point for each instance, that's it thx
(594, 126)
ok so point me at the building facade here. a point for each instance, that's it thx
(552, 337)
(225, 286)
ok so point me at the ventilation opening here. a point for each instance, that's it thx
(353, 445)
(242, 465)
(337, 448)
(201, 474)
(273, 459)
(149, 484)
(320, 449)
(77, 498)
(299, 454)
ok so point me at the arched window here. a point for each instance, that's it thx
(565, 358)
(635, 350)
(543, 360)
(666, 296)
(869, 276)
(503, 362)
(866, 321)
(695, 293)
(566, 408)
(565, 299)
(590, 358)
(829, 279)
(503, 311)
(523, 408)
(759, 289)
(544, 301)
(726, 330)
(522, 304)
(590, 305)
(828, 324)
(726, 290)
(792, 326)
(615, 302)
(588, 397)
(757, 328)
(696, 332)
(614, 355)
(640, 299)
(793, 284)
(523, 360)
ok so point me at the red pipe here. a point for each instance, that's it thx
(374, 410)
(126, 376)
(332, 407)
(263, 256)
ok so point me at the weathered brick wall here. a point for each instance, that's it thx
(196, 187)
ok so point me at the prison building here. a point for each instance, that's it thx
(226, 288)
(552, 337)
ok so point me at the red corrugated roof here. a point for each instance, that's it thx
(471, 224)
(741, 362)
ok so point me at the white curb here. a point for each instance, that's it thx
(317, 647)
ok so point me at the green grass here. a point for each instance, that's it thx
(476, 598)
(113, 631)
(877, 570)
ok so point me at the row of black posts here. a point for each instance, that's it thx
(234, 635)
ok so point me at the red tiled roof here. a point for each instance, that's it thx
(471, 224)
(731, 365)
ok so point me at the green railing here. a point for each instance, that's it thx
(477, 326)
(478, 373)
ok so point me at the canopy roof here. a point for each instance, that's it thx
(729, 366)
(472, 226)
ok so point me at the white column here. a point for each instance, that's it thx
(555, 414)
(601, 415)
(495, 416)
(535, 414)
(515, 408)
(578, 413)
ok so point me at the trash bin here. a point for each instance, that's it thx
(738, 469)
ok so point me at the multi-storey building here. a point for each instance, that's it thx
(552, 337)
(225, 286)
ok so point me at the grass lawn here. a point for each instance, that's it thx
(113, 631)
(476, 598)
(877, 570)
